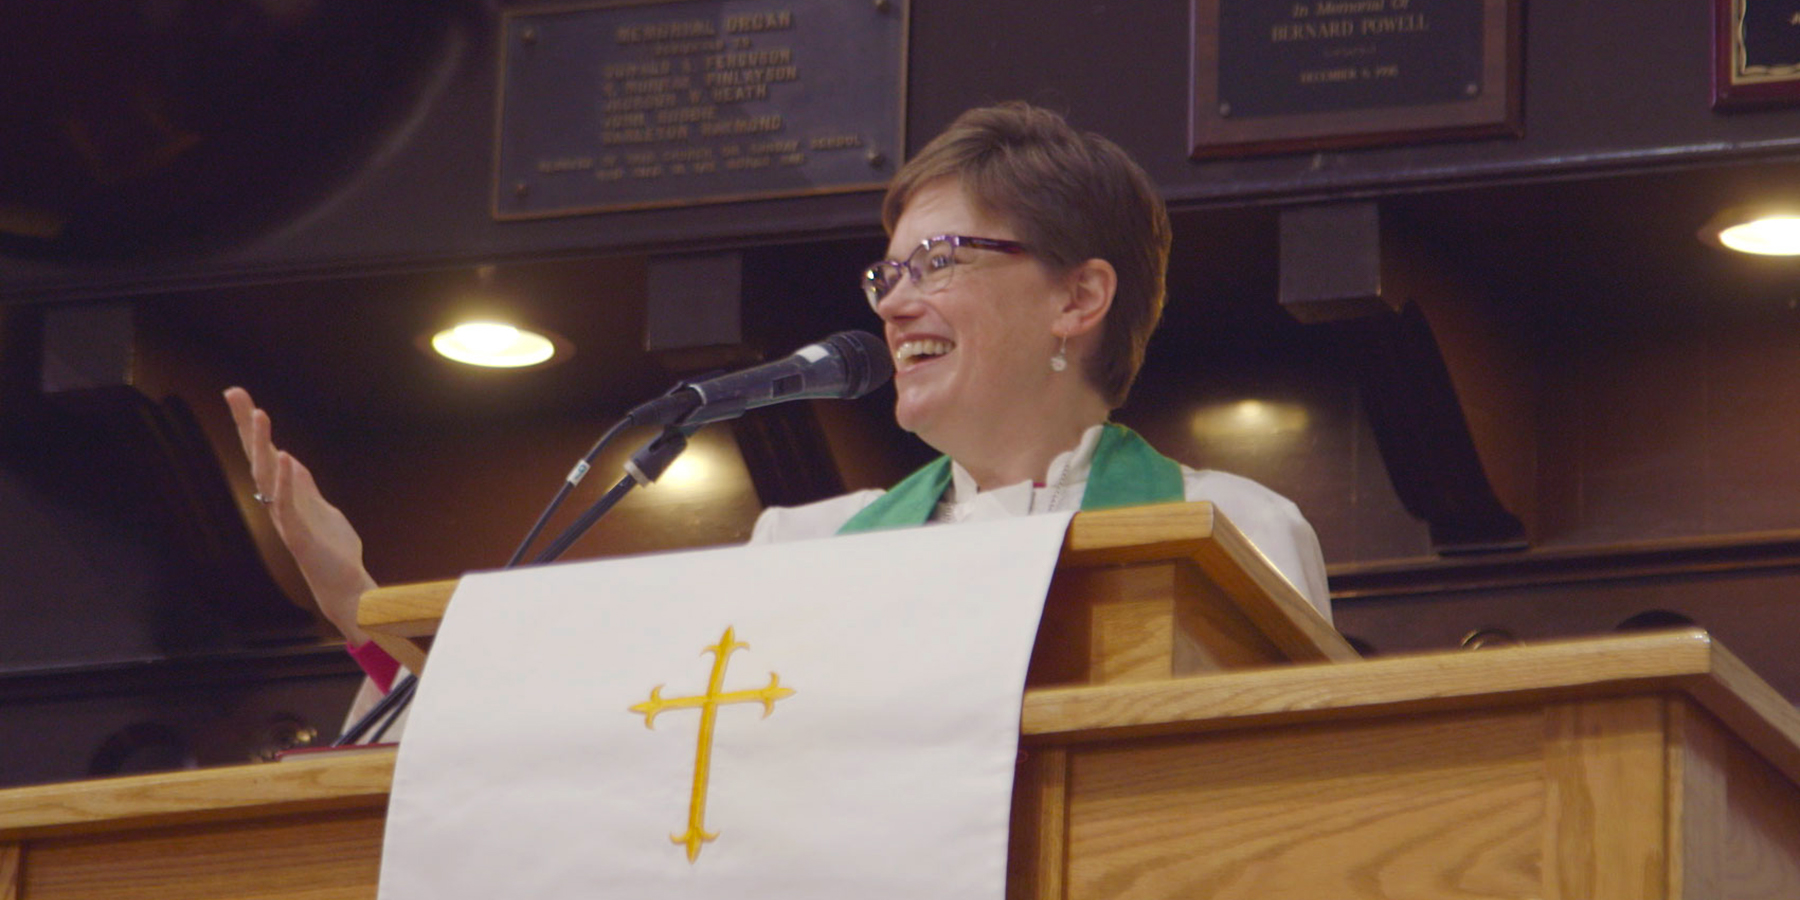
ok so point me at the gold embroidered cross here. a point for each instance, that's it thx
(709, 704)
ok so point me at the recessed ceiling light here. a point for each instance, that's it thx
(493, 345)
(1768, 236)
(1761, 232)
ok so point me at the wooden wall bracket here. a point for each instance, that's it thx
(1336, 272)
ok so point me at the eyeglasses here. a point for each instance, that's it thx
(930, 265)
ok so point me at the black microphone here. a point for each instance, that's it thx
(843, 366)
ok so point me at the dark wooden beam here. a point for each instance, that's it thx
(693, 318)
(1331, 262)
(1337, 272)
(1423, 435)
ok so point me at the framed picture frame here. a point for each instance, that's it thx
(1305, 75)
(1756, 53)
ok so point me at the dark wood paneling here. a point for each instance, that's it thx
(1752, 411)
(80, 721)
(1666, 429)
(1750, 610)
(1636, 100)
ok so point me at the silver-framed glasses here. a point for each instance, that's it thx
(931, 265)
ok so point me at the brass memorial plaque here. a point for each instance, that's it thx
(681, 102)
(1281, 75)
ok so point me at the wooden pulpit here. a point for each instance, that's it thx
(1191, 729)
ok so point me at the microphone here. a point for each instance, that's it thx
(843, 366)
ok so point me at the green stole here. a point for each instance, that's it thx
(1127, 471)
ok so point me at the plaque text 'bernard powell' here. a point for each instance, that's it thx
(696, 101)
(1286, 75)
(1320, 55)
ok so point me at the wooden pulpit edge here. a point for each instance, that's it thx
(316, 783)
(1200, 533)
(1687, 661)
(10, 869)
(400, 617)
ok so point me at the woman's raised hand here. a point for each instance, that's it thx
(324, 544)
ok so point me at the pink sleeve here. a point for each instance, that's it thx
(376, 663)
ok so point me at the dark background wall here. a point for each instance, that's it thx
(1621, 391)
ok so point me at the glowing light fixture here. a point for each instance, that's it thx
(1770, 236)
(494, 345)
(1259, 419)
(689, 471)
(1761, 232)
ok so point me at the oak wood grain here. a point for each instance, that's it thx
(1143, 622)
(1148, 621)
(1117, 537)
(1038, 859)
(1762, 831)
(1400, 684)
(406, 610)
(1688, 662)
(1751, 709)
(1053, 824)
(1199, 533)
(1132, 640)
(1606, 805)
(329, 856)
(9, 871)
(1268, 598)
(1218, 634)
(1593, 769)
(1447, 806)
(353, 779)
(1698, 810)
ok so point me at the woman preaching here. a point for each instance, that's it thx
(1023, 278)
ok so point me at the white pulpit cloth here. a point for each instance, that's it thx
(887, 771)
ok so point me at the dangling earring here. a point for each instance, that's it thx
(1060, 359)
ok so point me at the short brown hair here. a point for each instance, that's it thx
(1070, 197)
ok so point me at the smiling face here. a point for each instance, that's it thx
(971, 361)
